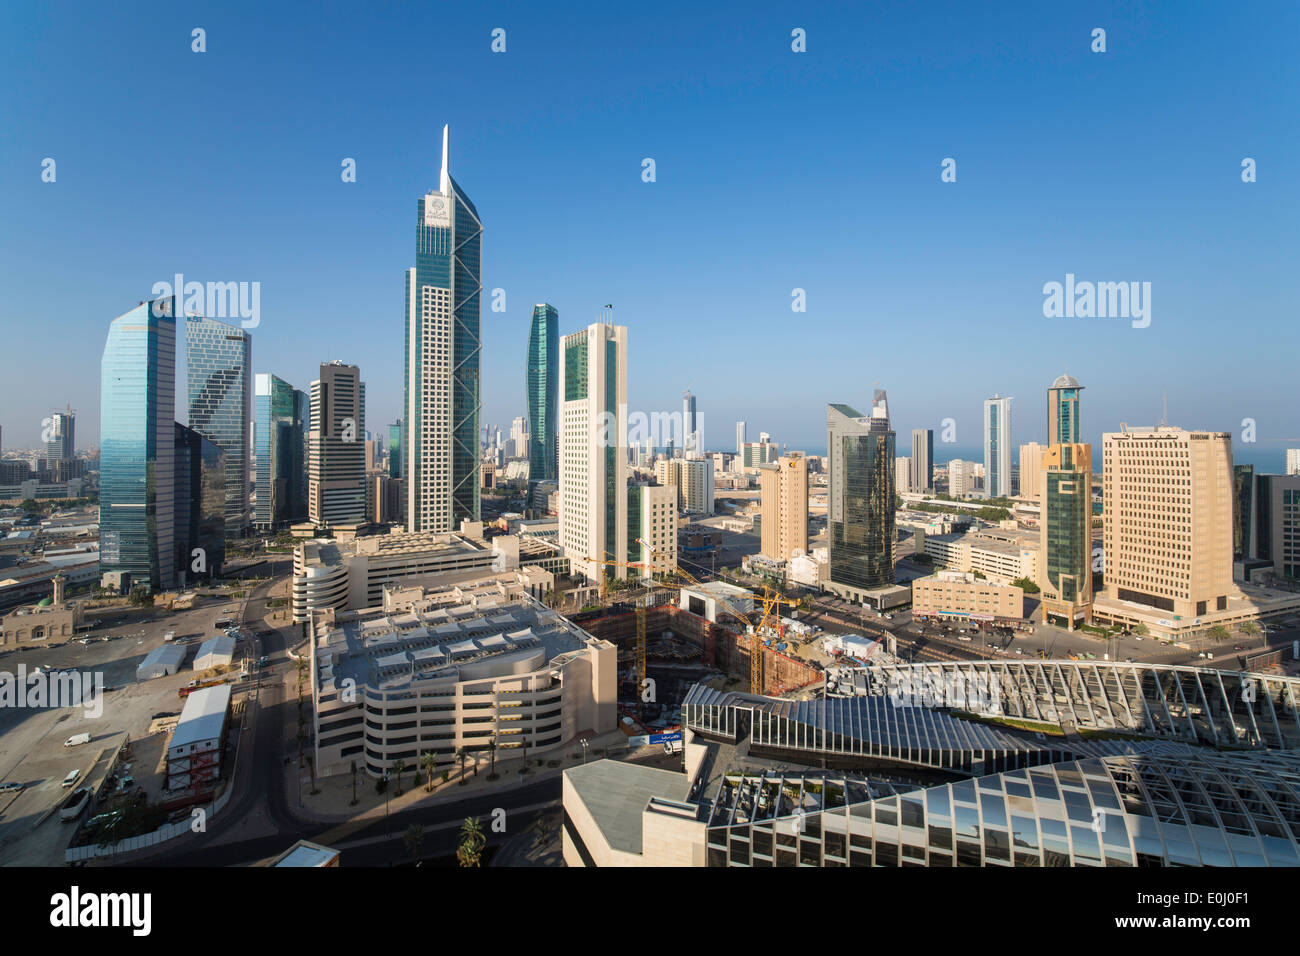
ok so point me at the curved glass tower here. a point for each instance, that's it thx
(542, 392)
(442, 359)
(218, 359)
(861, 497)
(137, 445)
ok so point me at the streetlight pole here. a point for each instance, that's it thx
(584, 751)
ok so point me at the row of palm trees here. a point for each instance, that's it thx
(428, 762)
(469, 852)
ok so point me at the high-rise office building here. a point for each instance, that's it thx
(280, 445)
(218, 363)
(690, 426)
(740, 438)
(902, 473)
(1274, 524)
(1066, 534)
(922, 460)
(961, 478)
(1063, 412)
(442, 359)
(336, 465)
(543, 397)
(1293, 461)
(997, 447)
(592, 449)
(860, 498)
(1031, 470)
(783, 506)
(518, 438)
(395, 449)
(200, 507)
(1167, 512)
(758, 453)
(652, 527)
(60, 445)
(137, 447)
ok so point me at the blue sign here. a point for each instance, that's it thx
(664, 738)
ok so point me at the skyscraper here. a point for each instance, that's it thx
(997, 447)
(336, 462)
(922, 460)
(442, 359)
(690, 426)
(783, 504)
(62, 435)
(395, 449)
(593, 456)
(280, 442)
(137, 447)
(1063, 411)
(860, 498)
(542, 384)
(218, 362)
(1167, 507)
(1031, 470)
(200, 511)
(1066, 533)
(740, 438)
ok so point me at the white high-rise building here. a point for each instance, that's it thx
(593, 452)
(1293, 461)
(961, 480)
(997, 447)
(902, 473)
(519, 438)
(690, 426)
(740, 438)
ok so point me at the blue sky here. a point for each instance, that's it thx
(775, 170)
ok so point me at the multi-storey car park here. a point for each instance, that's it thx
(981, 764)
(476, 665)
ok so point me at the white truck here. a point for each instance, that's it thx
(76, 740)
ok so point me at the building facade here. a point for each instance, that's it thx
(783, 505)
(997, 447)
(280, 444)
(954, 594)
(442, 402)
(336, 466)
(922, 460)
(1063, 424)
(861, 497)
(592, 449)
(1031, 471)
(137, 447)
(1066, 527)
(652, 527)
(200, 510)
(543, 391)
(219, 363)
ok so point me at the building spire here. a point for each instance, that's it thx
(444, 180)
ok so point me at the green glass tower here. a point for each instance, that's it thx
(542, 392)
(442, 402)
(860, 500)
(1063, 412)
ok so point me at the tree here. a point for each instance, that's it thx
(354, 783)
(472, 842)
(1219, 633)
(399, 768)
(1141, 630)
(1249, 628)
(461, 753)
(413, 837)
(1026, 585)
(492, 752)
(427, 761)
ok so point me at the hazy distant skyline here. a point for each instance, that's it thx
(775, 171)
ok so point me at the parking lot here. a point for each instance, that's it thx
(34, 754)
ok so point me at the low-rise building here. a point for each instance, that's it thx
(710, 600)
(162, 661)
(215, 652)
(194, 751)
(481, 665)
(962, 595)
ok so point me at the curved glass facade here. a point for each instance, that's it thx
(542, 392)
(218, 359)
(137, 445)
(861, 497)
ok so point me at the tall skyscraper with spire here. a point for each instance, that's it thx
(860, 498)
(542, 392)
(441, 393)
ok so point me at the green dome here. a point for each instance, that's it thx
(45, 602)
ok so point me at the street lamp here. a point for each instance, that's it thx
(584, 751)
(386, 777)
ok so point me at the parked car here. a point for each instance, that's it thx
(163, 714)
(10, 786)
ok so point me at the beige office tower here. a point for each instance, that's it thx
(784, 506)
(336, 462)
(1031, 471)
(1167, 507)
(1065, 557)
(593, 449)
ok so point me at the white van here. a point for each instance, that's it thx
(169, 637)
(76, 740)
(71, 778)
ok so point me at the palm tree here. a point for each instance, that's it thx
(492, 752)
(427, 761)
(399, 767)
(354, 783)
(472, 842)
(460, 755)
(413, 837)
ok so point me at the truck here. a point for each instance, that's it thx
(76, 740)
(199, 685)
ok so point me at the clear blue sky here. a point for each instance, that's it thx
(775, 170)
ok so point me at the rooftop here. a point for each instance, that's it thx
(616, 795)
(202, 716)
